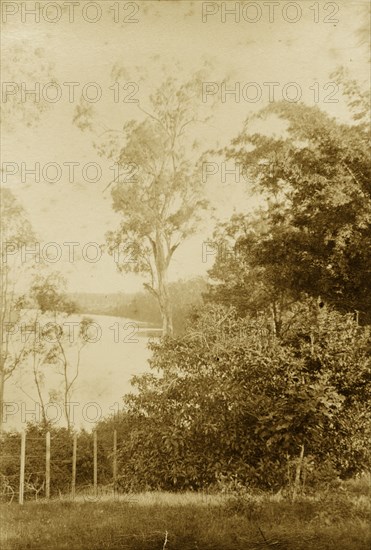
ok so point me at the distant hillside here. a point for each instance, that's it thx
(100, 304)
(142, 306)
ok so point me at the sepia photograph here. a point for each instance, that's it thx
(185, 238)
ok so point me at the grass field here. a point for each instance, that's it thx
(337, 520)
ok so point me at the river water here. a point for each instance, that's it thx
(117, 349)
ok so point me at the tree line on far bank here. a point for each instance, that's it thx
(142, 306)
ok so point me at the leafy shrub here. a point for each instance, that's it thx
(231, 398)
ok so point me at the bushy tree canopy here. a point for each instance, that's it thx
(230, 398)
(316, 179)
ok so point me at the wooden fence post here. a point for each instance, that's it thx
(47, 467)
(298, 473)
(22, 466)
(74, 455)
(114, 465)
(95, 473)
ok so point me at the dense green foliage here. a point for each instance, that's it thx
(285, 373)
(269, 384)
(313, 235)
(230, 398)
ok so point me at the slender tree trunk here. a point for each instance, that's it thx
(65, 401)
(163, 290)
(37, 383)
(167, 321)
(277, 324)
(2, 387)
(298, 473)
(165, 306)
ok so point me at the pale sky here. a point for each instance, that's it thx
(172, 35)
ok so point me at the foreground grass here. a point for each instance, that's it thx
(163, 521)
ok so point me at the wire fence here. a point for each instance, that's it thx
(64, 465)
